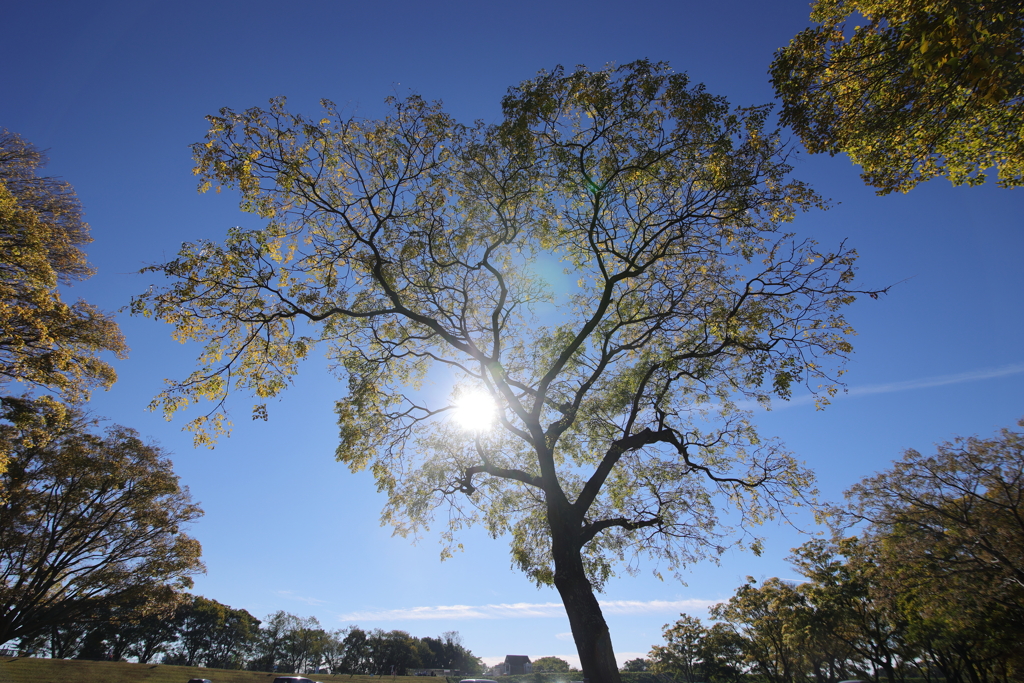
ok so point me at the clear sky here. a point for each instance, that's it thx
(117, 90)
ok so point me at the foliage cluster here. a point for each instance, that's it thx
(921, 88)
(952, 523)
(46, 343)
(550, 665)
(574, 674)
(381, 652)
(638, 664)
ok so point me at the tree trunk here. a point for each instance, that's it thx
(589, 630)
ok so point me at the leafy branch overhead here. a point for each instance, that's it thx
(919, 89)
(46, 343)
(410, 249)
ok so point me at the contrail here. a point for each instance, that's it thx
(906, 385)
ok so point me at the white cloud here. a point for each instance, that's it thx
(298, 598)
(495, 611)
(564, 636)
(523, 610)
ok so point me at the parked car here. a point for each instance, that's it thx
(199, 680)
(294, 679)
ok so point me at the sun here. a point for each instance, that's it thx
(475, 410)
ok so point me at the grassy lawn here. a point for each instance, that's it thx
(37, 670)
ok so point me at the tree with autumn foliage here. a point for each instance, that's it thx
(50, 350)
(918, 89)
(693, 652)
(930, 588)
(948, 532)
(681, 655)
(88, 522)
(412, 248)
(213, 634)
(46, 343)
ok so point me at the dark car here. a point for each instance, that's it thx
(199, 680)
(293, 679)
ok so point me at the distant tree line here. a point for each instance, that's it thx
(197, 631)
(932, 586)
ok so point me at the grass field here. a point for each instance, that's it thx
(38, 670)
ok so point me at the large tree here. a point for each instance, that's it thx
(948, 532)
(918, 89)
(303, 645)
(356, 656)
(154, 632)
(392, 653)
(854, 624)
(416, 249)
(88, 522)
(269, 647)
(694, 653)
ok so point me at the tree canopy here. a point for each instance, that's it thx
(928, 590)
(693, 652)
(191, 630)
(923, 88)
(45, 342)
(857, 615)
(681, 656)
(637, 664)
(951, 524)
(47, 346)
(88, 522)
(605, 271)
(550, 664)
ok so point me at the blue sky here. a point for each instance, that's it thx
(116, 91)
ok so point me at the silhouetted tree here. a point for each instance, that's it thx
(409, 243)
